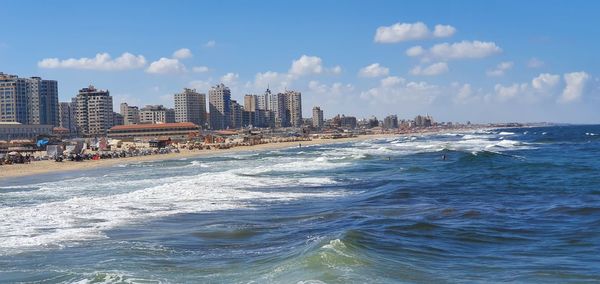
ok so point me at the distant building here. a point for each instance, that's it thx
(390, 122)
(131, 114)
(348, 122)
(117, 119)
(28, 100)
(147, 132)
(94, 111)
(219, 101)
(237, 110)
(423, 121)
(67, 116)
(190, 106)
(17, 131)
(157, 114)
(250, 103)
(294, 108)
(317, 118)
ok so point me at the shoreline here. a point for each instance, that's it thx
(50, 166)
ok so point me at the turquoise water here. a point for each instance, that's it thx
(518, 205)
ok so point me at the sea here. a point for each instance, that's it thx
(515, 205)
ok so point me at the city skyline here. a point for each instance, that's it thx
(399, 58)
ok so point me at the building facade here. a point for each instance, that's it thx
(236, 119)
(94, 112)
(317, 118)
(28, 100)
(390, 122)
(131, 114)
(147, 132)
(17, 131)
(190, 106)
(67, 116)
(157, 114)
(219, 101)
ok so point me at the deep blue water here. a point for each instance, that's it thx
(507, 205)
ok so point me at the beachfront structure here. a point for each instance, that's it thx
(190, 106)
(317, 118)
(293, 106)
(219, 101)
(28, 100)
(66, 112)
(237, 111)
(423, 121)
(131, 114)
(94, 111)
(147, 132)
(17, 131)
(390, 122)
(347, 122)
(157, 114)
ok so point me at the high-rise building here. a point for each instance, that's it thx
(423, 121)
(317, 118)
(67, 116)
(237, 111)
(293, 106)
(250, 103)
(131, 114)
(157, 114)
(390, 122)
(219, 100)
(190, 106)
(28, 101)
(94, 111)
(118, 119)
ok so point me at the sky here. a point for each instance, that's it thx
(479, 61)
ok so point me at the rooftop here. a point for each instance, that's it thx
(154, 126)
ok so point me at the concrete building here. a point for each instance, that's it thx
(236, 119)
(219, 101)
(317, 118)
(250, 103)
(17, 131)
(423, 121)
(190, 106)
(67, 116)
(348, 122)
(118, 119)
(390, 122)
(94, 112)
(157, 114)
(131, 114)
(293, 106)
(28, 100)
(147, 132)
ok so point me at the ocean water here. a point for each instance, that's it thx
(507, 205)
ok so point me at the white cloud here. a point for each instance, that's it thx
(200, 69)
(431, 70)
(410, 31)
(102, 61)
(374, 70)
(335, 89)
(444, 31)
(336, 70)
(464, 94)
(166, 66)
(535, 63)
(393, 90)
(182, 53)
(415, 51)
(200, 85)
(306, 65)
(271, 79)
(575, 84)
(230, 78)
(545, 82)
(210, 43)
(508, 92)
(500, 69)
(391, 81)
(463, 50)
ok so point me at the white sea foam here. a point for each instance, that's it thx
(506, 133)
(81, 218)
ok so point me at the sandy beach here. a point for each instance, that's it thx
(50, 166)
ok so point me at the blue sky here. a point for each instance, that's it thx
(483, 61)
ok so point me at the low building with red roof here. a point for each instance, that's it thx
(147, 132)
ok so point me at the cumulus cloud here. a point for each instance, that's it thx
(271, 79)
(306, 65)
(508, 92)
(535, 63)
(373, 70)
(544, 83)
(102, 61)
(335, 89)
(410, 31)
(336, 70)
(459, 50)
(182, 53)
(431, 70)
(230, 78)
(200, 69)
(464, 94)
(393, 90)
(575, 84)
(166, 66)
(391, 81)
(500, 69)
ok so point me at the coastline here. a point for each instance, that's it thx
(50, 166)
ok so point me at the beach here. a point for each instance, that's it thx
(50, 166)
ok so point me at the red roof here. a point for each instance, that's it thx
(154, 126)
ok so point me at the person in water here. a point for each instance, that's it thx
(444, 157)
